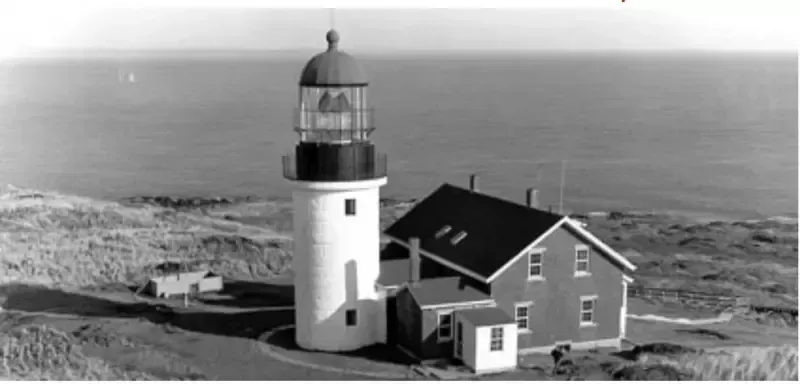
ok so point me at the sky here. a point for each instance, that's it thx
(29, 26)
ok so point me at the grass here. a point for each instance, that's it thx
(61, 240)
(37, 352)
(68, 242)
(748, 363)
(665, 362)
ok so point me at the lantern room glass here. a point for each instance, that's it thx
(333, 114)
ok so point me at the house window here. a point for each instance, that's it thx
(497, 339)
(581, 260)
(535, 264)
(587, 310)
(445, 331)
(350, 317)
(350, 207)
(521, 315)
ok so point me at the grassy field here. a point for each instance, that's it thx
(69, 264)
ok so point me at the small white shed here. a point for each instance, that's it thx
(485, 340)
(184, 283)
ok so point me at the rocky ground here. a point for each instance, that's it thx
(72, 248)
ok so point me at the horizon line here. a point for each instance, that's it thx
(122, 52)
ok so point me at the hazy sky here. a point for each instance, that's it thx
(29, 27)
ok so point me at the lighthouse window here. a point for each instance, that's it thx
(350, 317)
(350, 207)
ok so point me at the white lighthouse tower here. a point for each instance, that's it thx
(336, 176)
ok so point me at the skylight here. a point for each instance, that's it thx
(460, 236)
(443, 231)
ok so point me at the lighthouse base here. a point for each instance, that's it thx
(373, 331)
(336, 263)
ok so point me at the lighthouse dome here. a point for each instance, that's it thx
(333, 68)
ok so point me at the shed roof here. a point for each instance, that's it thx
(486, 316)
(494, 230)
(446, 290)
(193, 276)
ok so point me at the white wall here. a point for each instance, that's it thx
(210, 284)
(336, 263)
(623, 311)
(487, 360)
(178, 284)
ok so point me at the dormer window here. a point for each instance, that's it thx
(443, 231)
(460, 236)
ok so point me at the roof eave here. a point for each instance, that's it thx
(599, 244)
(581, 231)
(525, 250)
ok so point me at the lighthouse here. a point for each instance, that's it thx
(336, 175)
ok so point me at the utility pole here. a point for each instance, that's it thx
(561, 192)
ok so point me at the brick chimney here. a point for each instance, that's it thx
(532, 198)
(474, 183)
(414, 260)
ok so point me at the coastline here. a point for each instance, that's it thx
(250, 237)
(194, 202)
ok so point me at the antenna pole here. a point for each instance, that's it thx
(561, 192)
(332, 17)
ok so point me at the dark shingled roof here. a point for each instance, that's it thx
(496, 230)
(486, 316)
(445, 290)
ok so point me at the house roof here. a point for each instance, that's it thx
(486, 316)
(481, 235)
(445, 290)
(494, 230)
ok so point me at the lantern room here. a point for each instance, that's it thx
(332, 105)
(334, 121)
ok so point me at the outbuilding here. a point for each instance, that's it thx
(485, 340)
(184, 283)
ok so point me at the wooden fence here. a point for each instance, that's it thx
(705, 299)
(688, 297)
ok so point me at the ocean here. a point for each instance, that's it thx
(705, 134)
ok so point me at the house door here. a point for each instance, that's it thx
(392, 323)
(459, 341)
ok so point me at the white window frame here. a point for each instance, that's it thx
(581, 311)
(449, 326)
(527, 305)
(499, 340)
(578, 249)
(540, 252)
